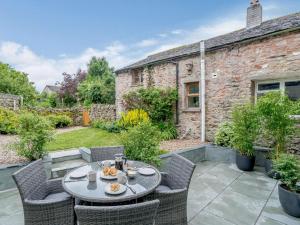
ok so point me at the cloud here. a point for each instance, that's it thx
(147, 43)
(43, 70)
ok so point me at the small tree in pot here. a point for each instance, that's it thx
(245, 130)
(288, 167)
(274, 110)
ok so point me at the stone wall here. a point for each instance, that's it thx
(10, 101)
(231, 74)
(103, 112)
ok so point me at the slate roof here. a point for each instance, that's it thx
(52, 88)
(289, 22)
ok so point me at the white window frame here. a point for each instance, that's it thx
(280, 81)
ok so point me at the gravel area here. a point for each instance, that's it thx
(9, 156)
(176, 144)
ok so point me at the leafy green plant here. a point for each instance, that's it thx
(16, 83)
(224, 134)
(288, 166)
(110, 126)
(8, 121)
(245, 128)
(59, 121)
(168, 130)
(142, 143)
(34, 132)
(275, 110)
(133, 118)
(157, 102)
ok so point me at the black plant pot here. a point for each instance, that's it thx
(269, 169)
(244, 162)
(290, 201)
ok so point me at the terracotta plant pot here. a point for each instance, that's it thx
(290, 201)
(244, 162)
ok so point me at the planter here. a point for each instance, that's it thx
(269, 169)
(244, 162)
(290, 201)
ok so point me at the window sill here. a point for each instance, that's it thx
(191, 110)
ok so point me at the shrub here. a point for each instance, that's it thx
(8, 121)
(142, 143)
(158, 103)
(59, 121)
(133, 118)
(168, 130)
(110, 126)
(224, 134)
(288, 166)
(245, 128)
(34, 132)
(275, 110)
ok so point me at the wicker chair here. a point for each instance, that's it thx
(135, 214)
(105, 153)
(44, 201)
(172, 193)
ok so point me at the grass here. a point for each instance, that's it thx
(89, 137)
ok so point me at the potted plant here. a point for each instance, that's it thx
(288, 166)
(245, 129)
(274, 110)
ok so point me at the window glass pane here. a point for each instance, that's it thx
(194, 88)
(193, 102)
(269, 86)
(292, 89)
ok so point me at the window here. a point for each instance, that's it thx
(192, 95)
(137, 77)
(290, 87)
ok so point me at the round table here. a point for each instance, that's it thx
(94, 191)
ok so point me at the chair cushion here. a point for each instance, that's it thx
(163, 188)
(57, 196)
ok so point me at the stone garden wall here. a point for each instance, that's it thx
(10, 101)
(103, 112)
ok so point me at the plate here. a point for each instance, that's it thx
(122, 189)
(146, 171)
(109, 177)
(77, 174)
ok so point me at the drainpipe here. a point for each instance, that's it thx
(202, 89)
(177, 86)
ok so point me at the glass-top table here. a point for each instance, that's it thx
(94, 191)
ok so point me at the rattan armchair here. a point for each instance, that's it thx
(135, 214)
(44, 201)
(105, 153)
(172, 193)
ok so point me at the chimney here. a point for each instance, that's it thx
(254, 14)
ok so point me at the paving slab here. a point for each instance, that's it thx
(219, 194)
(273, 210)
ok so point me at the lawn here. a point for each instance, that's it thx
(89, 137)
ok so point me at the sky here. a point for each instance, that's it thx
(48, 37)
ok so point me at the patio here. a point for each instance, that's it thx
(219, 194)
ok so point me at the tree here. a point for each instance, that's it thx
(69, 86)
(16, 83)
(99, 86)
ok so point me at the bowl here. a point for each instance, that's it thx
(131, 173)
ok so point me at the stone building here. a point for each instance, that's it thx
(215, 74)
